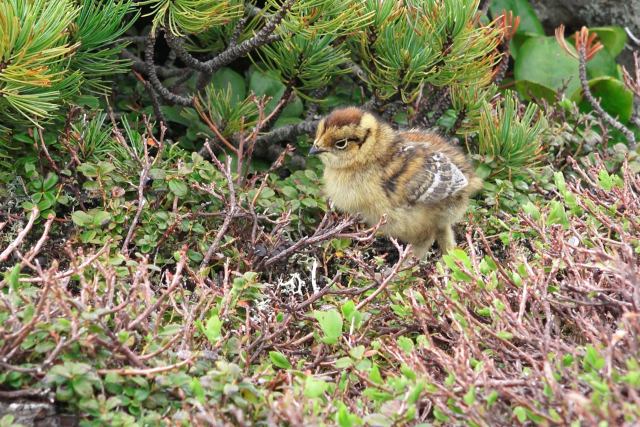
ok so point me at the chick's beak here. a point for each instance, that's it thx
(315, 150)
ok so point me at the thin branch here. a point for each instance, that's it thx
(174, 284)
(27, 392)
(140, 66)
(211, 124)
(18, 240)
(582, 53)
(402, 255)
(149, 371)
(153, 76)
(144, 173)
(70, 271)
(320, 235)
(262, 37)
(234, 51)
(288, 132)
(231, 208)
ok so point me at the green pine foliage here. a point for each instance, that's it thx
(97, 29)
(412, 44)
(192, 16)
(510, 142)
(54, 51)
(306, 64)
(35, 48)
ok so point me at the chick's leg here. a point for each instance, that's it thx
(420, 250)
(446, 239)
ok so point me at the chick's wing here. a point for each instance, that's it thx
(435, 176)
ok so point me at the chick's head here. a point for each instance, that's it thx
(348, 137)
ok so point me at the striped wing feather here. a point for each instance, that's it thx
(437, 179)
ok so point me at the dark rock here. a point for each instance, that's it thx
(36, 414)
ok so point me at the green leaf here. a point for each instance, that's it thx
(504, 335)
(213, 329)
(81, 218)
(295, 108)
(352, 316)
(225, 78)
(415, 393)
(344, 418)
(440, 415)
(602, 64)
(492, 398)
(279, 360)
(12, 276)
(178, 188)
(543, 68)
(331, 325)
(89, 170)
(82, 387)
(592, 359)
(378, 420)
(197, 390)
(557, 215)
(406, 344)
(343, 363)
(357, 352)
(88, 101)
(520, 413)
(470, 396)
(529, 22)
(613, 95)
(605, 180)
(290, 192)
(375, 375)
(267, 84)
(314, 387)
(157, 174)
(50, 181)
(613, 38)
(531, 210)
(101, 218)
(7, 421)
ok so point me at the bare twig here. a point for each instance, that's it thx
(402, 256)
(631, 138)
(177, 277)
(144, 173)
(321, 234)
(18, 240)
(231, 208)
(148, 371)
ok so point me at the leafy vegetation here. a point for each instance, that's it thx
(167, 255)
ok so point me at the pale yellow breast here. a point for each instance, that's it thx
(356, 192)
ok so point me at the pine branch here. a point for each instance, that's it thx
(501, 70)
(155, 101)
(153, 76)
(288, 132)
(234, 51)
(267, 146)
(582, 57)
(141, 67)
(237, 31)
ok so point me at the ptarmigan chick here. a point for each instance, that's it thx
(417, 179)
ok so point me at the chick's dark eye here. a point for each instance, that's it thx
(341, 144)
